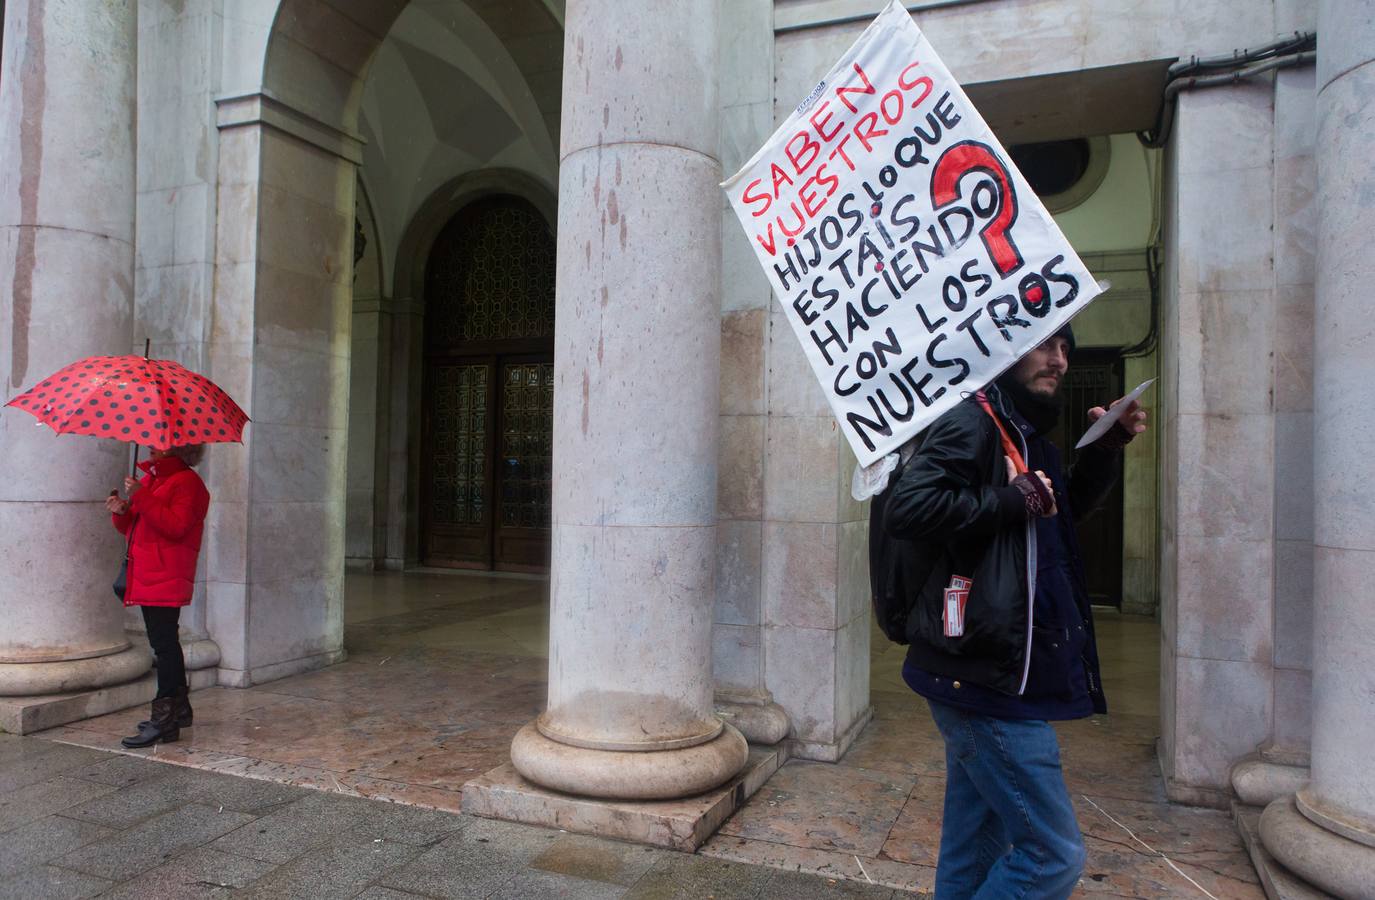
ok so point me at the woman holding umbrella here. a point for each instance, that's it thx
(163, 519)
(161, 405)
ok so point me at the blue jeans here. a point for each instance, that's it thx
(1009, 829)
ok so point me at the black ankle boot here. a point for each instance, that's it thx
(181, 709)
(161, 727)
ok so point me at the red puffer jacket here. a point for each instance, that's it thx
(167, 516)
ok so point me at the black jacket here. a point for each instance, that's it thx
(950, 511)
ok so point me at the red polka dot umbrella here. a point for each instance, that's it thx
(152, 402)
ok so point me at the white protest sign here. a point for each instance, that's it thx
(911, 257)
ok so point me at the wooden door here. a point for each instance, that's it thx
(487, 429)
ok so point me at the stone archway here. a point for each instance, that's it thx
(289, 154)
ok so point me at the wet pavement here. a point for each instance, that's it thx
(443, 669)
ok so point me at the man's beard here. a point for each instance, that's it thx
(1040, 410)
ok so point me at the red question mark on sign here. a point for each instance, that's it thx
(971, 156)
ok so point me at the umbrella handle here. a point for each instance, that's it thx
(133, 469)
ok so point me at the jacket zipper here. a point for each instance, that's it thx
(1030, 576)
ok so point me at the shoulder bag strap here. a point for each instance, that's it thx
(1009, 446)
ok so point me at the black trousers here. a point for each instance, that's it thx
(161, 622)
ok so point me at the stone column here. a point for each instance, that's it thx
(1326, 833)
(66, 253)
(637, 352)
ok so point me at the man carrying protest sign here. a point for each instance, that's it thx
(999, 623)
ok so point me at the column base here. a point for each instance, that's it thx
(628, 774)
(1324, 860)
(1279, 883)
(72, 675)
(1259, 782)
(26, 715)
(681, 825)
(760, 721)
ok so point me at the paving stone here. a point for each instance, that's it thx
(798, 886)
(535, 883)
(40, 760)
(596, 859)
(248, 795)
(340, 869)
(43, 840)
(377, 892)
(319, 818)
(175, 786)
(151, 842)
(202, 872)
(121, 771)
(680, 877)
(142, 800)
(50, 883)
(36, 801)
(477, 861)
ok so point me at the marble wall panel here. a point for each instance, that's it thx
(736, 660)
(848, 508)
(800, 574)
(852, 581)
(305, 237)
(171, 305)
(293, 618)
(170, 58)
(1294, 604)
(793, 387)
(175, 225)
(301, 312)
(226, 541)
(295, 386)
(1294, 476)
(236, 238)
(747, 73)
(742, 361)
(744, 285)
(1225, 595)
(184, 151)
(993, 42)
(1224, 242)
(801, 474)
(1222, 712)
(744, 129)
(1293, 345)
(154, 13)
(239, 160)
(1226, 361)
(852, 672)
(1239, 117)
(308, 172)
(226, 618)
(739, 572)
(1293, 709)
(297, 463)
(1224, 468)
(801, 676)
(295, 540)
(740, 485)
